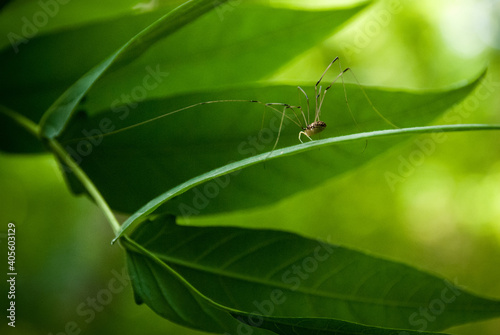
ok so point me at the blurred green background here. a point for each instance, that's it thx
(444, 217)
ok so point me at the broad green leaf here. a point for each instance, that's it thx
(169, 295)
(234, 168)
(42, 17)
(172, 297)
(30, 88)
(36, 76)
(231, 46)
(133, 166)
(56, 117)
(317, 326)
(282, 275)
(260, 38)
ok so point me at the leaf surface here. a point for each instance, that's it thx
(319, 326)
(56, 117)
(282, 275)
(133, 166)
(241, 43)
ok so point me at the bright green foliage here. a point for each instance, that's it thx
(182, 146)
(160, 161)
(278, 274)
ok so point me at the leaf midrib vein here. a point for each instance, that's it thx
(305, 290)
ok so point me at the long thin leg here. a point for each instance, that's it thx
(303, 133)
(341, 75)
(283, 115)
(307, 100)
(279, 130)
(318, 93)
(326, 70)
(287, 106)
(371, 103)
(185, 108)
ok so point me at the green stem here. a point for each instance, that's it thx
(56, 147)
(85, 180)
(21, 120)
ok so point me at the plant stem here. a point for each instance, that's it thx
(56, 147)
(89, 185)
(22, 120)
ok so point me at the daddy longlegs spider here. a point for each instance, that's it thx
(317, 126)
(307, 127)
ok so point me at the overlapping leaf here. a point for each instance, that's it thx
(319, 326)
(160, 155)
(233, 39)
(282, 275)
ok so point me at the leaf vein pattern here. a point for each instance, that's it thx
(290, 262)
(362, 281)
(329, 275)
(164, 294)
(184, 241)
(391, 285)
(217, 245)
(278, 284)
(207, 310)
(251, 250)
(153, 238)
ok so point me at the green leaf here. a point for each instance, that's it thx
(63, 16)
(160, 155)
(231, 46)
(152, 205)
(282, 276)
(31, 88)
(261, 40)
(170, 297)
(317, 326)
(56, 117)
